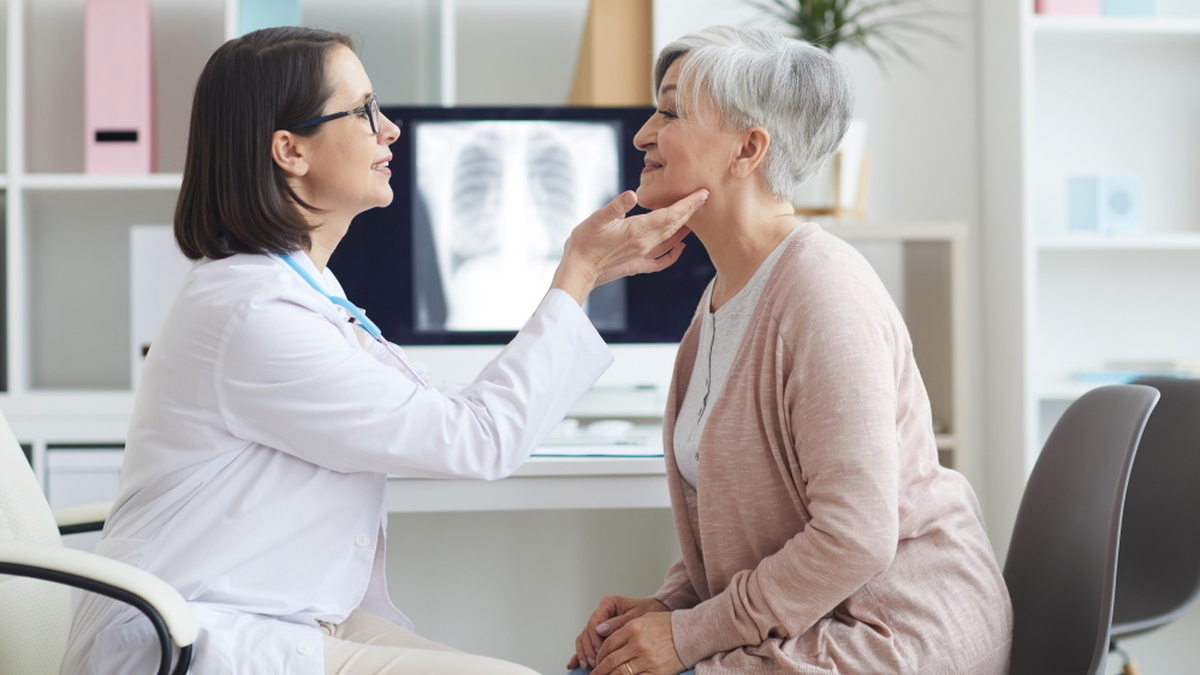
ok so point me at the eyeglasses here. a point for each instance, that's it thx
(370, 109)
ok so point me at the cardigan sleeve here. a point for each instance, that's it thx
(677, 591)
(835, 388)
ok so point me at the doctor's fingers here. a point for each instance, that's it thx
(660, 225)
(671, 242)
(643, 265)
(612, 212)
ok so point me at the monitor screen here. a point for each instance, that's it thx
(484, 199)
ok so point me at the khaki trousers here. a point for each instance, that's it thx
(365, 644)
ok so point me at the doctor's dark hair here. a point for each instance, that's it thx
(234, 198)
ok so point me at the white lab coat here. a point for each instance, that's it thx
(255, 468)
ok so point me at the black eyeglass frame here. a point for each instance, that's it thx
(371, 108)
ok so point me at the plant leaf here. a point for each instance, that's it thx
(868, 25)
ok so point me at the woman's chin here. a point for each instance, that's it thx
(651, 199)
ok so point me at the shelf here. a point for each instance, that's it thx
(1162, 241)
(45, 417)
(67, 404)
(83, 181)
(1067, 389)
(896, 232)
(1104, 25)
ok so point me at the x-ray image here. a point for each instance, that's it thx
(497, 200)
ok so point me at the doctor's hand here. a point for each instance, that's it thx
(612, 614)
(644, 646)
(609, 245)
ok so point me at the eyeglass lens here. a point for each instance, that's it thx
(373, 114)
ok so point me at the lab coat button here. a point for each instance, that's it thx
(362, 540)
(305, 650)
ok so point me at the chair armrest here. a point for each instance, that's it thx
(87, 518)
(59, 564)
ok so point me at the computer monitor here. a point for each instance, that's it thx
(484, 198)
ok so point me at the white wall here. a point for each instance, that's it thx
(520, 585)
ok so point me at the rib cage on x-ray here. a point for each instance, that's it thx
(477, 173)
(479, 180)
(502, 198)
(552, 179)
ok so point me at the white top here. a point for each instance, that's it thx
(721, 334)
(261, 438)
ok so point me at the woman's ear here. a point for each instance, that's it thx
(752, 152)
(289, 152)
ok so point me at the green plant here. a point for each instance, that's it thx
(874, 26)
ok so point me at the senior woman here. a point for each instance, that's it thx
(818, 532)
(270, 409)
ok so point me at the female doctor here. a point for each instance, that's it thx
(271, 411)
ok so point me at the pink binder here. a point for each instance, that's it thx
(118, 87)
(1069, 7)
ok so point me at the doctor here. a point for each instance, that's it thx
(270, 411)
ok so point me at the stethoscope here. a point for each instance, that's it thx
(356, 316)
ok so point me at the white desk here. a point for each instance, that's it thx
(101, 419)
(541, 483)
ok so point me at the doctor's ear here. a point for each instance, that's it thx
(752, 152)
(289, 153)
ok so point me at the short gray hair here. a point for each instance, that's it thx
(755, 77)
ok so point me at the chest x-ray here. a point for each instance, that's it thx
(496, 201)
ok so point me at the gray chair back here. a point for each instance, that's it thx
(1062, 561)
(1158, 573)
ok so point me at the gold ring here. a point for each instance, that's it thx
(629, 668)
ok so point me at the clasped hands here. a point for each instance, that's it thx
(627, 636)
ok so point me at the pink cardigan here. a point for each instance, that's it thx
(824, 537)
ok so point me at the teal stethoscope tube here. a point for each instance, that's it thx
(356, 314)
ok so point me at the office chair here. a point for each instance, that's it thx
(35, 616)
(1062, 560)
(1158, 572)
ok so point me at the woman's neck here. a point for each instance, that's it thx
(324, 239)
(738, 240)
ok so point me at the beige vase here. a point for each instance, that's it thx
(839, 188)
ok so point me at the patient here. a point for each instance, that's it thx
(818, 532)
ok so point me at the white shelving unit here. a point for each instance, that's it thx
(1070, 96)
(925, 267)
(65, 245)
